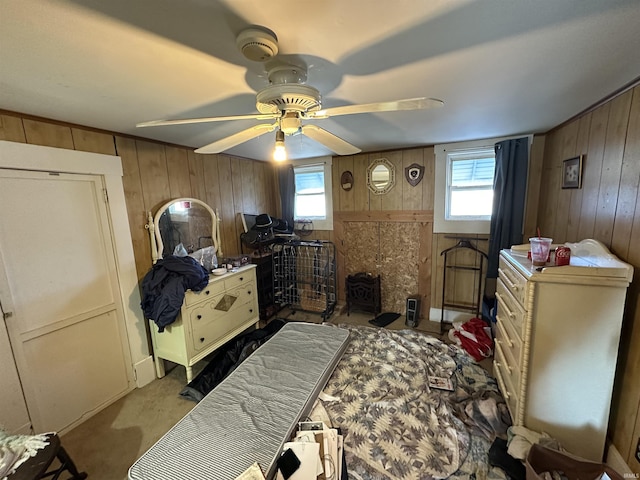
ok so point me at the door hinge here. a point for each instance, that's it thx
(6, 315)
(106, 195)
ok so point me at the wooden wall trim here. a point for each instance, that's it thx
(408, 216)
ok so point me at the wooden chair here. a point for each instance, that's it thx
(38, 466)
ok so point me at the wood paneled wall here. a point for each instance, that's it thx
(401, 197)
(461, 284)
(403, 203)
(606, 208)
(154, 173)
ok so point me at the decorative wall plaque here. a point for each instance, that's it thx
(414, 174)
(346, 180)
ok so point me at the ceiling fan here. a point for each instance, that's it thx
(289, 101)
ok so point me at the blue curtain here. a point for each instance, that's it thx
(286, 180)
(509, 190)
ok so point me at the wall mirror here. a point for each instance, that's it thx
(184, 220)
(381, 176)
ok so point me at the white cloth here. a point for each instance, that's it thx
(521, 439)
(17, 449)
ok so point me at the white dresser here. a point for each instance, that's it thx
(557, 336)
(226, 307)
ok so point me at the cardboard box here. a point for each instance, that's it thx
(542, 459)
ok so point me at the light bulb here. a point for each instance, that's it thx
(279, 153)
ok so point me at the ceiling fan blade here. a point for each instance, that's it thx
(184, 121)
(329, 140)
(406, 104)
(237, 138)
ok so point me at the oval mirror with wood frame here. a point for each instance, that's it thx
(381, 176)
(186, 221)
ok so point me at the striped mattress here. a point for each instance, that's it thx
(248, 416)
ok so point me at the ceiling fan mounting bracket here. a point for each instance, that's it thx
(287, 74)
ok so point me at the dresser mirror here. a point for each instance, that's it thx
(381, 176)
(186, 221)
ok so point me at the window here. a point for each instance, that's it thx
(313, 193)
(464, 186)
(470, 185)
(310, 192)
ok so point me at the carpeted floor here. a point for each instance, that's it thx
(108, 443)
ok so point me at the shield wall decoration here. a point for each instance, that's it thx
(414, 174)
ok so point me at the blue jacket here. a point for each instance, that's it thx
(164, 286)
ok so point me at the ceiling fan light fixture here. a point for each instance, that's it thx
(257, 45)
(279, 152)
(290, 123)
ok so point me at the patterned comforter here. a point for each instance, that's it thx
(395, 426)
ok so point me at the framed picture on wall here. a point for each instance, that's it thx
(572, 172)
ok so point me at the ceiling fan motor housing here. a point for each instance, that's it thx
(288, 98)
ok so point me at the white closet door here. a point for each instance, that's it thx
(58, 279)
(14, 416)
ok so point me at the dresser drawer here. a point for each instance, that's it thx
(239, 278)
(514, 281)
(211, 290)
(506, 387)
(223, 323)
(204, 313)
(509, 308)
(510, 349)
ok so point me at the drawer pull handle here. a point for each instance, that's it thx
(505, 392)
(498, 364)
(199, 317)
(510, 314)
(251, 310)
(206, 292)
(507, 280)
(201, 339)
(503, 332)
(248, 292)
(241, 278)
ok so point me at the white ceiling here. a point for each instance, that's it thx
(502, 67)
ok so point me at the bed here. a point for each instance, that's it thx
(375, 389)
(250, 415)
(397, 428)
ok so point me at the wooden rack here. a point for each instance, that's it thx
(463, 243)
